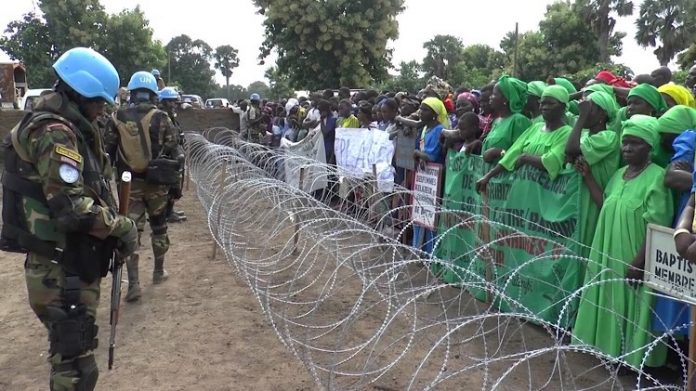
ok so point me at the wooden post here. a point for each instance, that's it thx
(373, 196)
(221, 185)
(691, 382)
(486, 238)
(296, 225)
(188, 168)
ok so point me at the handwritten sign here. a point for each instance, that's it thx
(405, 146)
(358, 150)
(665, 270)
(426, 193)
(308, 154)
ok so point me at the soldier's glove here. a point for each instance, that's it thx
(128, 242)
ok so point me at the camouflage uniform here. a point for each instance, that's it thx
(46, 149)
(147, 201)
(175, 192)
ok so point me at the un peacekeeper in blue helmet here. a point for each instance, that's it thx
(58, 209)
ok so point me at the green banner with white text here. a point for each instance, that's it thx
(519, 243)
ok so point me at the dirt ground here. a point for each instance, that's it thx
(202, 329)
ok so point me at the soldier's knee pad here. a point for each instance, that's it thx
(71, 332)
(158, 224)
(89, 373)
(80, 374)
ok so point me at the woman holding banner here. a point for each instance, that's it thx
(542, 145)
(614, 314)
(434, 115)
(507, 102)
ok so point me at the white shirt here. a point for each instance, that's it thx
(243, 118)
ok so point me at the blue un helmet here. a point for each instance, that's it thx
(88, 73)
(169, 93)
(155, 72)
(143, 80)
(255, 97)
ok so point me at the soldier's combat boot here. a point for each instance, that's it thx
(159, 275)
(133, 293)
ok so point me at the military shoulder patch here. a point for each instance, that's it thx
(68, 153)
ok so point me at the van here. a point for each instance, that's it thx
(217, 103)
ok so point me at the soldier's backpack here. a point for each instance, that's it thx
(135, 147)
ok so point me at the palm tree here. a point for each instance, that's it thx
(225, 61)
(598, 13)
(671, 22)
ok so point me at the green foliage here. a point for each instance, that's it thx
(600, 15)
(226, 60)
(136, 53)
(444, 52)
(564, 45)
(28, 40)
(586, 74)
(679, 76)
(479, 65)
(38, 40)
(280, 86)
(260, 88)
(667, 25)
(330, 43)
(409, 78)
(687, 59)
(233, 94)
(190, 65)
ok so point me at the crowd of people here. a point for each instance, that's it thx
(631, 141)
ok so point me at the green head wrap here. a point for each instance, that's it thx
(644, 127)
(606, 102)
(515, 91)
(536, 88)
(565, 83)
(600, 88)
(556, 92)
(677, 119)
(650, 94)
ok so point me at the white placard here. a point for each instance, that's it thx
(308, 154)
(357, 150)
(426, 193)
(665, 270)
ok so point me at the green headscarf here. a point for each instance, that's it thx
(600, 88)
(650, 94)
(515, 91)
(644, 127)
(536, 88)
(677, 119)
(606, 102)
(439, 109)
(565, 83)
(556, 92)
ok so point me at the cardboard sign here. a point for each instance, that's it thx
(665, 270)
(426, 195)
(405, 146)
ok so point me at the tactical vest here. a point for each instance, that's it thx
(16, 235)
(137, 146)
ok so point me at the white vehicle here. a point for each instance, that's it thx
(31, 96)
(217, 103)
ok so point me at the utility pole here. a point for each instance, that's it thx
(517, 44)
(169, 67)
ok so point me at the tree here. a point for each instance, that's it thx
(479, 65)
(28, 41)
(135, 49)
(444, 53)
(672, 23)
(74, 23)
(260, 88)
(533, 58)
(190, 65)
(687, 59)
(236, 92)
(330, 43)
(280, 86)
(225, 61)
(599, 14)
(408, 80)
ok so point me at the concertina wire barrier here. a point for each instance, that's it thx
(360, 309)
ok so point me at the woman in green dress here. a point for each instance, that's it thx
(507, 102)
(614, 314)
(542, 145)
(533, 108)
(594, 149)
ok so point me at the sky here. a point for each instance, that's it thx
(235, 22)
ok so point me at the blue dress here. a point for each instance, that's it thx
(670, 314)
(424, 238)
